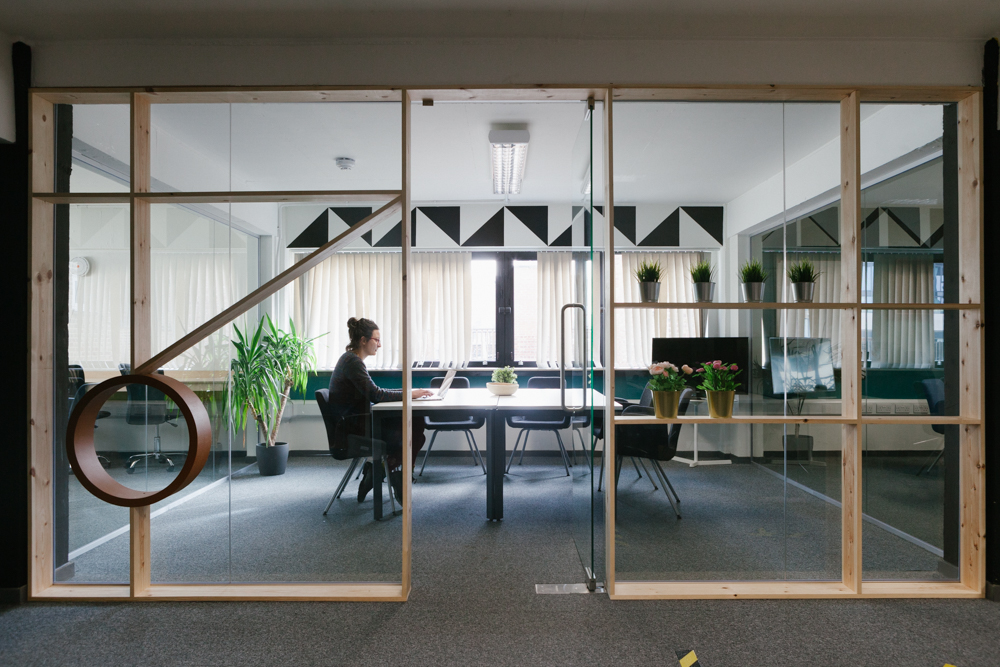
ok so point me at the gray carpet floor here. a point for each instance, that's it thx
(473, 599)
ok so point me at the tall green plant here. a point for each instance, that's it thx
(753, 272)
(803, 272)
(702, 272)
(266, 367)
(648, 272)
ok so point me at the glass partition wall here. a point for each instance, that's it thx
(178, 223)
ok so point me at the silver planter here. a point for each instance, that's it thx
(649, 292)
(704, 292)
(803, 292)
(752, 292)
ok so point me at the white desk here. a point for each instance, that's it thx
(492, 407)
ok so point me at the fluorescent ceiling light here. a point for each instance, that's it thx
(508, 152)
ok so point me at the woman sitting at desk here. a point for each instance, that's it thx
(352, 392)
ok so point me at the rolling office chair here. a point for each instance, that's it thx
(934, 392)
(552, 421)
(344, 445)
(647, 442)
(82, 387)
(466, 425)
(148, 407)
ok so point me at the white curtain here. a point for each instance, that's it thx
(903, 338)
(187, 289)
(99, 318)
(367, 284)
(813, 323)
(441, 307)
(352, 284)
(564, 279)
(635, 328)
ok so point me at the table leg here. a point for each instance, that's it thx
(496, 451)
(377, 471)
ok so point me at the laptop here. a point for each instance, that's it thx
(441, 391)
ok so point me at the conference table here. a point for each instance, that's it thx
(461, 403)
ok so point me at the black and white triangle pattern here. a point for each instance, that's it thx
(541, 226)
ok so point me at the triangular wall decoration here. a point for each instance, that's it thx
(448, 218)
(317, 233)
(625, 221)
(565, 239)
(431, 235)
(710, 219)
(393, 238)
(667, 233)
(535, 218)
(490, 234)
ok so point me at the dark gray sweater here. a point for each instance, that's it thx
(352, 390)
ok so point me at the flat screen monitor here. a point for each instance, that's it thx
(809, 365)
(694, 351)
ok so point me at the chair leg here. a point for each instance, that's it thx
(669, 485)
(636, 466)
(388, 484)
(562, 448)
(513, 453)
(618, 469)
(666, 483)
(600, 480)
(476, 454)
(427, 453)
(650, 477)
(343, 483)
(931, 466)
(524, 446)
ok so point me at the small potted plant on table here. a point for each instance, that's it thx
(701, 276)
(752, 277)
(803, 276)
(504, 381)
(648, 274)
(266, 367)
(719, 382)
(667, 383)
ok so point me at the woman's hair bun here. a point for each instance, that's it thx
(358, 329)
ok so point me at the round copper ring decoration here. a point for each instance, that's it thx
(83, 455)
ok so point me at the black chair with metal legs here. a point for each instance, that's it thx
(553, 421)
(345, 445)
(148, 407)
(647, 441)
(82, 387)
(934, 392)
(643, 407)
(466, 426)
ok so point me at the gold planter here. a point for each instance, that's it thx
(665, 404)
(720, 404)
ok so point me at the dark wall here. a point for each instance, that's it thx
(991, 189)
(14, 276)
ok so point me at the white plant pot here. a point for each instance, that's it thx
(502, 388)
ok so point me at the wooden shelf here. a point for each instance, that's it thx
(797, 306)
(917, 419)
(84, 197)
(739, 419)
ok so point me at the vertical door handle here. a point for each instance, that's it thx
(562, 354)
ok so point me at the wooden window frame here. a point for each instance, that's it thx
(971, 583)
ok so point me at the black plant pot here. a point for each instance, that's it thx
(272, 460)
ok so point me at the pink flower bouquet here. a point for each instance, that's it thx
(665, 376)
(717, 376)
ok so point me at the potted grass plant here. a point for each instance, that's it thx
(267, 366)
(718, 380)
(648, 274)
(504, 381)
(667, 383)
(752, 276)
(803, 276)
(701, 275)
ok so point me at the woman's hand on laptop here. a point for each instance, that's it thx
(420, 393)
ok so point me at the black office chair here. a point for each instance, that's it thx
(148, 407)
(646, 441)
(466, 426)
(545, 421)
(934, 392)
(646, 403)
(347, 445)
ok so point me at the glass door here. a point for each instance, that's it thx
(580, 346)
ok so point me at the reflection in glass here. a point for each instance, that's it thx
(101, 146)
(910, 500)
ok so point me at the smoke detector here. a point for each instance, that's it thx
(344, 163)
(79, 266)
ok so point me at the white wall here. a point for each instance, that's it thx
(427, 61)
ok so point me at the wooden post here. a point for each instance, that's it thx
(852, 358)
(139, 551)
(608, 456)
(405, 352)
(139, 268)
(42, 149)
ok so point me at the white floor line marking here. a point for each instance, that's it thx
(124, 529)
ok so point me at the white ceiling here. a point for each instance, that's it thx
(682, 153)
(322, 19)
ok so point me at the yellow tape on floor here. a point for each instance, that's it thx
(687, 658)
